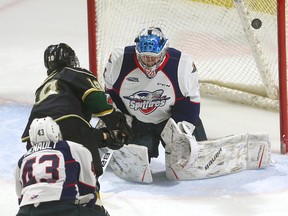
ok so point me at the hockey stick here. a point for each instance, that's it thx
(106, 157)
(107, 153)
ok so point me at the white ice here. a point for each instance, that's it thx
(27, 28)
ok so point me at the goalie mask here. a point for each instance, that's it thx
(44, 130)
(151, 46)
(58, 56)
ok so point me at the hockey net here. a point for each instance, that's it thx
(235, 60)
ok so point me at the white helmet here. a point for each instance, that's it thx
(43, 130)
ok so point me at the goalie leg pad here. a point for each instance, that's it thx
(131, 163)
(182, 148)
(223, 156)
(259, 151)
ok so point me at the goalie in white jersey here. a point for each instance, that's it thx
(152, 83)
(55, 177)
(158, 88)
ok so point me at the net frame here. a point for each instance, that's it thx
(278, 102)
(282, 65)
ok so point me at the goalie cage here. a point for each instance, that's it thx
(236, 56)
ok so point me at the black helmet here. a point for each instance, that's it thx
(58, 56)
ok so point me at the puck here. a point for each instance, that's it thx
(256, 23)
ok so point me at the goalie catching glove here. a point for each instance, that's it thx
(119, 131)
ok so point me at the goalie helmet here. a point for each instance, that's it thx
(44, 130)
(58, 56)
(151, 46)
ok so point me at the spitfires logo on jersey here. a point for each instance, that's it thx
(147, 101)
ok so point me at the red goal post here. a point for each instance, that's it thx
(239, 46)
(282, 11)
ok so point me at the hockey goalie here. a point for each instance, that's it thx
(187, 159)
(152, 82)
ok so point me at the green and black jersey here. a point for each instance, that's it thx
(69, 93)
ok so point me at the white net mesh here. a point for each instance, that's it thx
(234, 60)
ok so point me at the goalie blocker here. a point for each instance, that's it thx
(187, 159)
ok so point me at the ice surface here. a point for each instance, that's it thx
(27, 28)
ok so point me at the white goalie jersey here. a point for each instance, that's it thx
(174, 89)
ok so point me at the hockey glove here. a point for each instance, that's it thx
(115, 139)
(118, 128)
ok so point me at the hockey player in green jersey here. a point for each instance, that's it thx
(72, 96)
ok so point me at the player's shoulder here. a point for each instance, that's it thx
(130, 49)
(185, 65)
(185, 60)
(117, 52)
(77, 70)
(173, 51)
(76, 146)
(78, 151)
(178, 55)
(72, 75)
(116, 56)
(69, 146)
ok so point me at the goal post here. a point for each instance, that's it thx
(92, 36)
(234, 44)
(282, 62)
